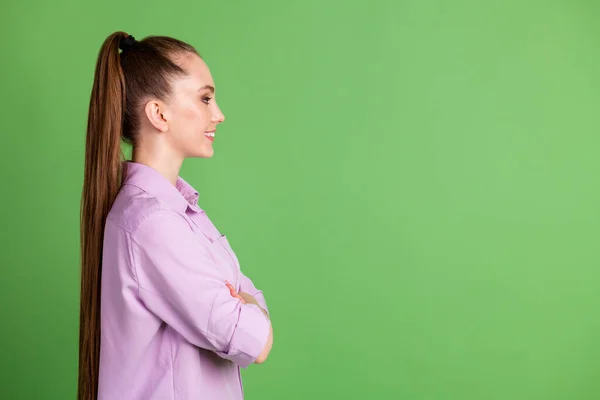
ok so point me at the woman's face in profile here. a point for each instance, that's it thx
(193, 113)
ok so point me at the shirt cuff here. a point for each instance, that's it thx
(250, 336)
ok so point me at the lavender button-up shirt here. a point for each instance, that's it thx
(170, 328)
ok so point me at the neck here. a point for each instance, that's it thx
(159, 159)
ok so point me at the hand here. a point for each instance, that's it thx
(249, 299)
(234, 292)
(245, 298)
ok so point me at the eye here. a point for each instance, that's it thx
(206, 99)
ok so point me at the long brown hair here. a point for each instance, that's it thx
(122, 81)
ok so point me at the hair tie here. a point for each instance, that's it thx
(127, 43)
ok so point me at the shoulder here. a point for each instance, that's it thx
(136, 210)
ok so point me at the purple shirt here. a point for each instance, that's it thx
(170, 328)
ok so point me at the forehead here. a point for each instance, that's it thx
(198, 74)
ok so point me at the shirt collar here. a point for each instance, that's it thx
(180, 197)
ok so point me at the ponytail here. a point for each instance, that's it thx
(102, 180)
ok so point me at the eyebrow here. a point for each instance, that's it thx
(211, 88)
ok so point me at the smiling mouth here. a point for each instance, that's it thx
(210, 135)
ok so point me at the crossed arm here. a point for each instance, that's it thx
(180, 283)
(246, 298)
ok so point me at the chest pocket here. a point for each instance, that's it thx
(226, 259)
(220, 251)
(227, 246)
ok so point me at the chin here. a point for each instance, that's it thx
(204, 153)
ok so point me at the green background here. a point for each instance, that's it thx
(414, 185)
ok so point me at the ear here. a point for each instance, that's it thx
(156, 113)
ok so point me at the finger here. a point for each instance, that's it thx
(237, 296)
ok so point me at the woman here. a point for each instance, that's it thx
(166, 312)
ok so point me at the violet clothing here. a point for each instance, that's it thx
(170, 328)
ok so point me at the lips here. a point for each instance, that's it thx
(210, 135)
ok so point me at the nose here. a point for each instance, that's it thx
(217, 115)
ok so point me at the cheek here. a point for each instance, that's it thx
(195, 121)
(199, 113)
(190, 122)
(190, 114)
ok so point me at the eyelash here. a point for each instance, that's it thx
(207, 99)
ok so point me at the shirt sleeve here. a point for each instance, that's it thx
(181, 284)
(247, 286)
